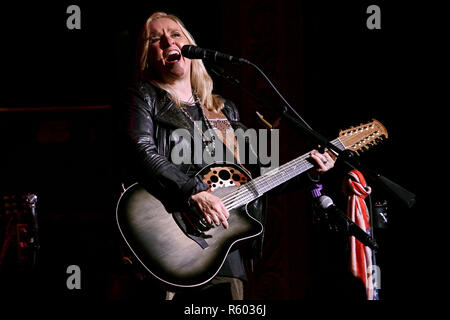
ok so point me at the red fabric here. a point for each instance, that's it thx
(355, 187)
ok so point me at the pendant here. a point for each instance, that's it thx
(210, 146)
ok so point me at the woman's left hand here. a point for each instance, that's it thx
(324, 161)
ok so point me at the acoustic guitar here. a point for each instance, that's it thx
(192, 255)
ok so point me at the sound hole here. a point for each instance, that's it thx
(224, 174)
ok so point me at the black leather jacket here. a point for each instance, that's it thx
(151, 118)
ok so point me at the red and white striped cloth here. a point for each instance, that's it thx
(361, 258)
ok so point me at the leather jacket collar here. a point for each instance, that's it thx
(171, 115)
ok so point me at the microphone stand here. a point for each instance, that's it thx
(347, 157)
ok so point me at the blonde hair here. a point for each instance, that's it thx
(201, 82)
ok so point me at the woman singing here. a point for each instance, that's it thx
(174, 92)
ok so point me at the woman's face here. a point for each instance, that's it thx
(166, 40)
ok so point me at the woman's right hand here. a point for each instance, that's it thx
(212, 208)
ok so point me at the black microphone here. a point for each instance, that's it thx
(326, 203)
(194, 52)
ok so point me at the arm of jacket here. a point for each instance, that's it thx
(151, 166)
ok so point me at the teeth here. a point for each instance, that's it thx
(172, 52)
(173, 55)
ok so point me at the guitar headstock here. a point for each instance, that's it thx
(364, 136)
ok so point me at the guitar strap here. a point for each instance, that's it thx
(225, 132)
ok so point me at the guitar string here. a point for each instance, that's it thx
(241, 195)
(253, 189)
(252, 185)
(259, 181)
(243, 198)
(249, 191)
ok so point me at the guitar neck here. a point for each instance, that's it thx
(271, 179)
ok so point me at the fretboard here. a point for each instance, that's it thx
(271, 179)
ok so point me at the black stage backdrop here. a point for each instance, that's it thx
(59, 97)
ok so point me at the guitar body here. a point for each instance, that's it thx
(165, 250)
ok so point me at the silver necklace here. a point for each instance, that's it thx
(207, 142)
(191, 101)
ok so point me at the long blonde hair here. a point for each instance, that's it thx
(201, 82)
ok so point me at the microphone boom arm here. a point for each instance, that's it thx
(347, 157)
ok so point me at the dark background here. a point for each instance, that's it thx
(59, 97)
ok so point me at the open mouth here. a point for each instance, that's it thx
(173, 56)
